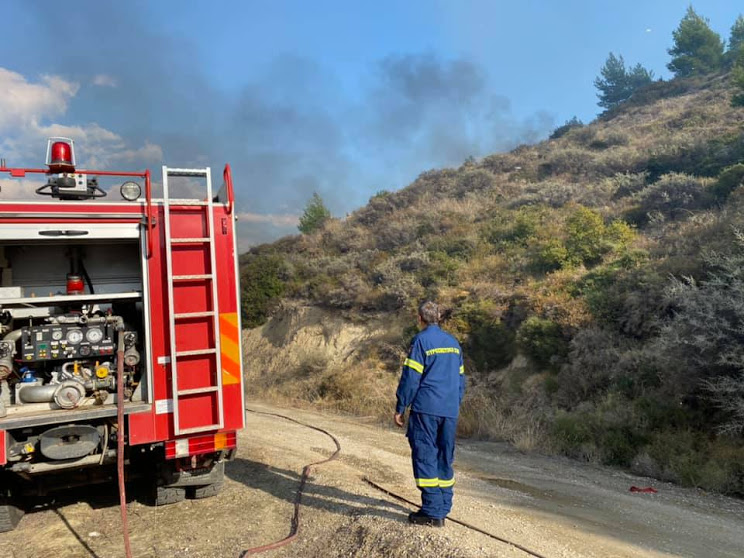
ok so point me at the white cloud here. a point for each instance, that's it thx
(150, 153)
(281, 220)
(29, 114)
(23, 103)
(19, 188)
(105, 80)
(257, 228)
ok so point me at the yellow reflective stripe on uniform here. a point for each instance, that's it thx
(427, 483)
(446, 483)
(417, 366)
(443, 350)
(462, 370)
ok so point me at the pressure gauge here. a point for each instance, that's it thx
(57, 335)
(74, 336)
(94, 335)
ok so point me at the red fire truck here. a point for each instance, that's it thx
(119, 333)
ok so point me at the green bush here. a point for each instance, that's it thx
(441, 270)
(618, 445)
(516, 226)
(569, 125)
(571, 431)
(586, 237)
(261, 287)
(628, 300)
(692, 459)
(543, 342)
(488, 343)
(730, 178)
(546, 255)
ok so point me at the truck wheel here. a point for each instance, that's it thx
(206, 491)
(165, 495)
(9, 516)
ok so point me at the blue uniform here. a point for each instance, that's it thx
(433, 384)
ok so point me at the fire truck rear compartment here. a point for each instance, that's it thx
(58, 350)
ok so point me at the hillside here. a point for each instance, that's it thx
(593, 279)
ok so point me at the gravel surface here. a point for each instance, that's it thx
(556, 507)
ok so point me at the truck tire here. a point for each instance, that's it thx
(10, 515)
(165, 495)
(207, 491)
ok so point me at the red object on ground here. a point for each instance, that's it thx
(647, 489)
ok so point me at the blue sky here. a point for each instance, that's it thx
(343, 98)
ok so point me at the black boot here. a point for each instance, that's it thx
(418, 518)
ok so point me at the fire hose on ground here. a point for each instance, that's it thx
(294, 530)
(295, 523)
(120, 438)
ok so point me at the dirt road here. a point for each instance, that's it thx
(556, 507)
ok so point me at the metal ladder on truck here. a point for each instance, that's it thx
(196, 372)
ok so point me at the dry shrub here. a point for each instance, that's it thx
(674, 196)
(551, 193)
(396, 231)
(626, 184)
(618, 160)
(476, 180)
(551, 299)
(481, 418)
(341, 237)
(363, 388)
(567, 161)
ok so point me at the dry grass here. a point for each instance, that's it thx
(363, 389)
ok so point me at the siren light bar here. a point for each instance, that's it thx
(60, 155)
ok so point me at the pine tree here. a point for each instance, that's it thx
(638, 77)
(736, 41)
(314, 216)
(737, 76)
(697, 48)
(737, 34)
(617, 83)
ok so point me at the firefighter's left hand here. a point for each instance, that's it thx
(398, 419)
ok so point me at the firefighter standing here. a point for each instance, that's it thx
(432, 384)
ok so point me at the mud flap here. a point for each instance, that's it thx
(197, 477)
